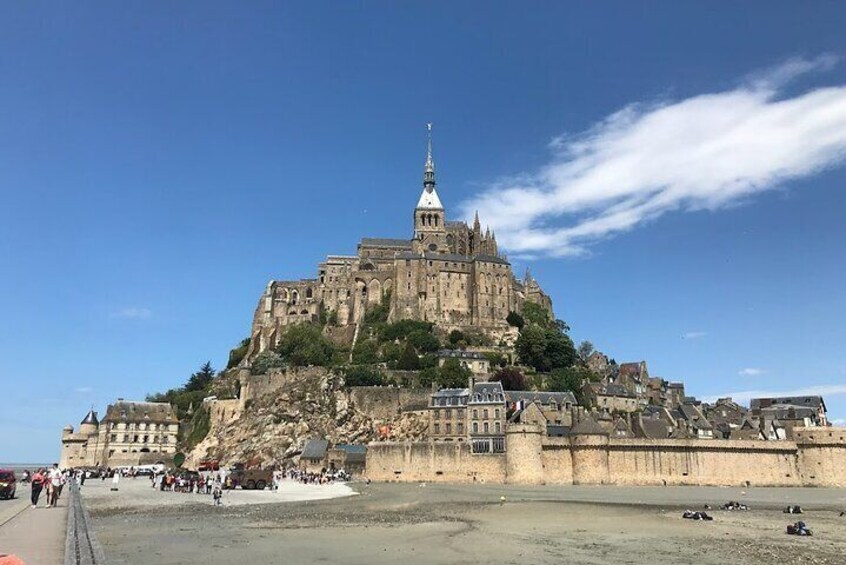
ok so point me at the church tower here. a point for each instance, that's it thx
(429, 215)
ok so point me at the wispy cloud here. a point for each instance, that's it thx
(132, 313)
(838, 422)
(83, 389)
(751, 372)
(701, 153)
(694, 335)
(820, 390)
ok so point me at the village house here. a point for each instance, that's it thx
(477, 362)
(816, 404)
(612, 397)
(448, 414)
(486, 410)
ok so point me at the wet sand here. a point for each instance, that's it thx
(414, 524)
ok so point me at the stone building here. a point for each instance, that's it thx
(611, 397)
(477, 362)
(448, 414)
(131, 433)
(812, 406)
(449, 273)
(486, 413)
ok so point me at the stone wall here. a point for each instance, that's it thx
(816, 458)
(433, 462)
(386, 403)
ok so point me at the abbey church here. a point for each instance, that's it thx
(447, 273)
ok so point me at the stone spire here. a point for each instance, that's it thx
(429, 173)
(477, 227)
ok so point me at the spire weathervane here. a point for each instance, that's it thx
(429, 174)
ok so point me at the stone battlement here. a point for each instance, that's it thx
(531, 458)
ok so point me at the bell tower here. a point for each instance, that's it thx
(429, 215)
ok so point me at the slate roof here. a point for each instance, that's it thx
(385, 242)
(614, 390)
(493, 388)
(127, 411)
(812, 401)
(91, 418)
(451, 392)
(587, 426)
(788, 412)
(653, 428)
(557, 430)
(541, 397)
(315, 449)
(354, 453)
(460, 354)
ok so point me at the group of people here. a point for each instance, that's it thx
(325, 477)
(197, 484)
(49, 481)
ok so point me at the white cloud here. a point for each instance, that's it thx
(838, 422)
(83, 389)
(694, 335)
(132, 313)
(816, 390)
(751, 372)
(701, 153)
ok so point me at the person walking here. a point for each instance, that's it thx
(37, 486)
(54, 486)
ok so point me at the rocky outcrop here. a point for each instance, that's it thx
(274, 426)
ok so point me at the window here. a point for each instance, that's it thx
(486, 427)
(475, 414)
(485, 413)
(448, 428)
(460, 427)
(475, 427)
(437, 428)
(496, 413)
(496, 427)
(437, 414)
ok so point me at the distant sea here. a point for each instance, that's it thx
(18, 468)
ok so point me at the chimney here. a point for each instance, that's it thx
(471, 381)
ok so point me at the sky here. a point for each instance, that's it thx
(672, 174)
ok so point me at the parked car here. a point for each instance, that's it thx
(8, 483)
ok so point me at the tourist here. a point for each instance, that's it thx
(37, 485)
(55, 479)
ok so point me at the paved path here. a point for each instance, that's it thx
(36, 535)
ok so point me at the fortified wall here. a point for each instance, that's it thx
(817, 457)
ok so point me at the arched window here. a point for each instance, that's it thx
(436, 219)
(309, 292)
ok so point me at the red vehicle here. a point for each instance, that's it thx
(8, 483)
(210, 465)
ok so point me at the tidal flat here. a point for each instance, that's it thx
(463, 524)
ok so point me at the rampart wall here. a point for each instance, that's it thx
(385, 403)
(816, 458)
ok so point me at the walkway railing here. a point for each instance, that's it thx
(81, 545)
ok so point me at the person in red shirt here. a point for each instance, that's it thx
(37, 485)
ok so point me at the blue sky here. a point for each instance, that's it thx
(673, 175)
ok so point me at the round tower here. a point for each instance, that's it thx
(589, 446)
(523, 454)
(67, 430)
(90, 424)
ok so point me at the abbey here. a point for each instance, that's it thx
(447, 273)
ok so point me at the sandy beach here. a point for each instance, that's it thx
(417, 524)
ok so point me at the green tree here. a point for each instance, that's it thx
(402, 328)
(569, 379)
(265, 361)
(515, 320)
(366, 352)
(201, 379)
(545, 349)
(305, 344)
(452, 374)
(585, 350)
(511, 379)
(428, 376)
(237, 354)
(424, 342)
(534, 313)
(496, 360)
(359, 375)
(408, 361)
(456, 336)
